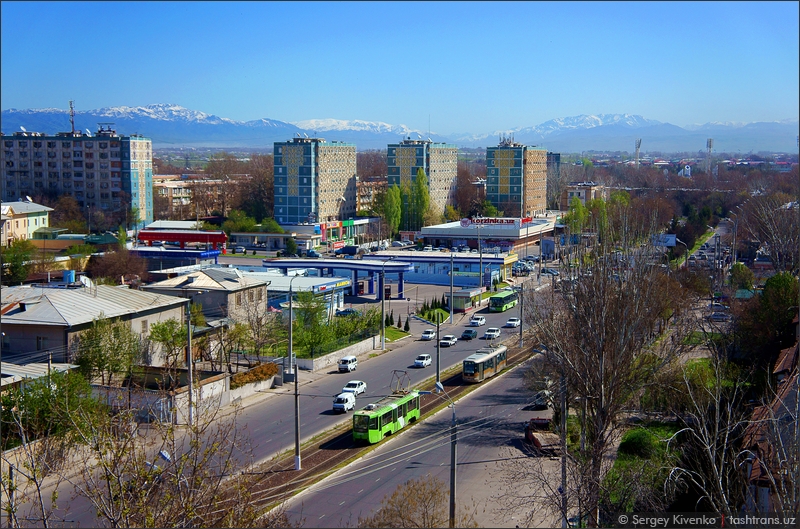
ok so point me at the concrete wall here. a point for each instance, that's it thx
(358, 349)
(251, 389)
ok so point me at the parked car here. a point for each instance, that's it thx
(427, 249)
(469, 334)
(549, 271)
(719, 316)
(344, 402)
(513, 322)
(477, 321)
(717, 306)
(398, 244)
(428, 334)
(348, 312)
(448, 340)
(422, 361)
(347, 364)
(492, 333)
(356, 387)
(347, 250)
(313, 254)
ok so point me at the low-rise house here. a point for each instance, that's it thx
(41, 321)
(222, 293)
(771, 440)
(24, 218)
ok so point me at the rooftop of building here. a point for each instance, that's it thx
(23, 207)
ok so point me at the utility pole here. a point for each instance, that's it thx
(189, 359)
(452, 256)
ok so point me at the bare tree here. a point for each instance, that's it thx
(602, 335)
(774, 220)
(417, 503)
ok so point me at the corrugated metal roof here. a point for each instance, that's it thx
(24, 207)
(211, 279)
(12, 373)
(75, 306)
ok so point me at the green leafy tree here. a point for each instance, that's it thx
(170, 335)
(311, 331)
(419, 199)
(107, 349)
(291, 246)
(271, 226)
(393, 205)
(741, 276)
(16, 260)
(122, 237)
(489, 210)
(451, 214)
(238, 221)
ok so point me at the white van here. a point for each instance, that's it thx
(347, 364)
(344, 402)
(477, 321)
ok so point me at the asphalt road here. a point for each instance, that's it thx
(269, 417)
(490, 432)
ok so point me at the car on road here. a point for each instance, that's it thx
(513, 322)
(356, 387)
(344, 402)
(347, 364)
(719, 316)
(549, 271)
(427, 335)
(477, 321)
(717, 306)
(348, 312)
(492, 333)
(313, 254)
(469, 334)
(422, 360)
(448, 340)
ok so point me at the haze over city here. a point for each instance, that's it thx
(440, 66)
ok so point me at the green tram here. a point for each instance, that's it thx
(388, 415)
(484, 363)
(502, 301)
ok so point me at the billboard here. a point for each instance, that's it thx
(496, 222)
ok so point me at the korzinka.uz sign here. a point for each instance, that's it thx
(496, 222)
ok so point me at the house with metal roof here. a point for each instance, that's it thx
(24, 219)
(44, 321)
(222, 292)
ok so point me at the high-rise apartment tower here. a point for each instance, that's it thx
(315, 181)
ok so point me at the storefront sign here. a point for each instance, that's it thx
(496, 222)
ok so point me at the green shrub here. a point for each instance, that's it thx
(638, 443)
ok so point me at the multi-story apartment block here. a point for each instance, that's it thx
(439, 161)
(105, 172)
(367, 189)
(584, 191)
(315, 181)
(516, 178)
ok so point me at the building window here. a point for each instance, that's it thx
(239, 298)
(144, 326)
(41, 343)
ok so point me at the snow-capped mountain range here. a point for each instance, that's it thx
(171, 125)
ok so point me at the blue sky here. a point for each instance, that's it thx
(473, 67)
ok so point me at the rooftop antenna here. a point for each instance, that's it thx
(638, 146)
(88, 132)
(23, 129)
(72, 115)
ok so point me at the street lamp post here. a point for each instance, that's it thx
(383, 303)
(293, 370)
(189, 358)
(521, 311)
(453, 452)
(452, 256)
(480, 256)
(685, 260)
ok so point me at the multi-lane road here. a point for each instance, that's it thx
(490, 440)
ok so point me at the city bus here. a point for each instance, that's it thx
(502, 301)
(484, 363)
(388, 415)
